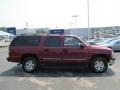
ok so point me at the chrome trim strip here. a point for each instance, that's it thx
(63, 59)
(52, 58)
(75, 59)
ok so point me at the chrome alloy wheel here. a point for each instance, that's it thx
(99, 65)
(29, 65)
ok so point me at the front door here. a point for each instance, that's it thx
(72, 52)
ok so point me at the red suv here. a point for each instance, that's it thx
(32, 51)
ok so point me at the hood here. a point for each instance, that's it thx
(105, 45)
(99, 47)
(99, 50)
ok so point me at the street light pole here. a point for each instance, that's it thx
(26, 24)
(75, 16)
(88, 20)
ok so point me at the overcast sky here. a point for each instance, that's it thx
(52, 13)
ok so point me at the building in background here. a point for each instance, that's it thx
(80, 32)
(32, 31)
(96, 32)
(11, 30)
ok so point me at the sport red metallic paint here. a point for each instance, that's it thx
(32, 51)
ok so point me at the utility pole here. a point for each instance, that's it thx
(75, 19)
(88, 20)
(26, 25)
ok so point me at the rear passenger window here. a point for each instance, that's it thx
(52, 41)
(26, 41)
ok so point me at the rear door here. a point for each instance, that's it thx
(51, 52)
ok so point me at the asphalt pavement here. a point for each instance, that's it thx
(12, 77)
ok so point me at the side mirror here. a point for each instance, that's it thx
(81, 45)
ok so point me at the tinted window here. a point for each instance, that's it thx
(71, 42)
(52, 41)
(118, 42)
(26, 41)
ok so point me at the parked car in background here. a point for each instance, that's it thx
(106, 41)
(114, 45)
(94, 41)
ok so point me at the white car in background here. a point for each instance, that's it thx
(114, 45)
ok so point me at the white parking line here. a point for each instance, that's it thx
(21, 79)
(85, 83)
(39, 82)
(116, 77)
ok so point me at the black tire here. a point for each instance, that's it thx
(99, 65)
(30, 64)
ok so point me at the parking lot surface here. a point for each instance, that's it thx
(12, 77)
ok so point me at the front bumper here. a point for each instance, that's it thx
(112, 61)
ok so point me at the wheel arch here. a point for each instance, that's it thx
(93, 60)
(28, 55)
(100, 55)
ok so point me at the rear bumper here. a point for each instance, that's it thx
(8, 59)
(112, 61)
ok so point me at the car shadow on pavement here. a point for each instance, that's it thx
(118, 51)
(17, 71)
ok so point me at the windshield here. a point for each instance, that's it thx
(83, 40)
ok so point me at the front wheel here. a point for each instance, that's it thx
(30, 64)
(99, 65)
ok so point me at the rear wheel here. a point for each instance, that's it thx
(99, 65)
(30, 64)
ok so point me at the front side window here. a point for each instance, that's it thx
(51, 41)
(71, 42)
